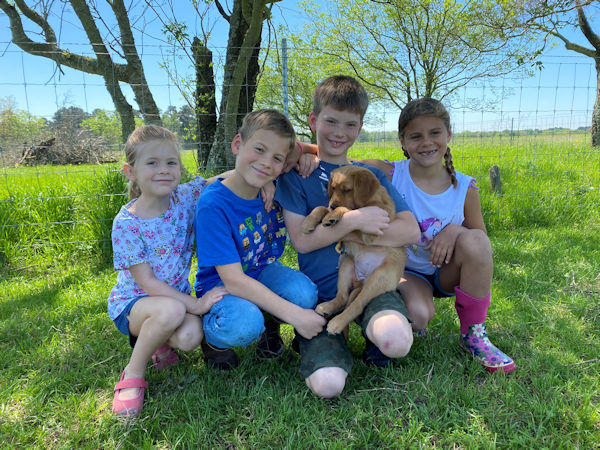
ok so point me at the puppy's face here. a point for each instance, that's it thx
(351, 186)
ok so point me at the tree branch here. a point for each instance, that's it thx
(587, 29)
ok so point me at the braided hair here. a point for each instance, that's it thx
(427, 106)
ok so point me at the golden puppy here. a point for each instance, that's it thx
(365, 271)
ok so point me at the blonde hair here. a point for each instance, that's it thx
(139, 136)
(267, 119)
(427, 106)
(342, 93)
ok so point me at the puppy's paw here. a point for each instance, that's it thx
(322, 310)
(336, 325)
(330, 220)
(309, 225)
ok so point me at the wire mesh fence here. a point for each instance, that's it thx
(61, 148)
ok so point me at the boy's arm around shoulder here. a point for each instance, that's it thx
(385, 166)
(306, 321)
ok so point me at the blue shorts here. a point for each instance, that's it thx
(433, 280)
(122, 322)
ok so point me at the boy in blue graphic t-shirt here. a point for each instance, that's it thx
(239, 244)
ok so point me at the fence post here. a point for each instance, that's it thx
(495, 182)
(284, 75)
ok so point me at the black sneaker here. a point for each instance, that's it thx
(270, 345)
(296, 344)
(372, 355)
(219, 358)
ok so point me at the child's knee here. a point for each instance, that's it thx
(171, 314)
(420, 314)
(189, 335)
(307, 296)
(300, 290)
(327, 382)
(237, 325)
(474, 243)
(391, 333)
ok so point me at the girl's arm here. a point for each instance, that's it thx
(144, 276)
(473, 216)
(306, 321)
(385, 166)
(441, 248)
(226, 174)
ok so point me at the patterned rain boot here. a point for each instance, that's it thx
(472, 312)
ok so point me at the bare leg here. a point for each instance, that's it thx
(418, 298)
(153, 320)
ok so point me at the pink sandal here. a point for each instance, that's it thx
(131, 407)
(169, 357)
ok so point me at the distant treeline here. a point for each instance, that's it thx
(375, 136)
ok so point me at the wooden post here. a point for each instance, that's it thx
(495, 182)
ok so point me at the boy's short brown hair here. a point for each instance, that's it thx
(267, 119)
(341, 92)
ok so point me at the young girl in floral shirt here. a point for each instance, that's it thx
(153, 241)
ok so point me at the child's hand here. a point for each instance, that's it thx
(308, 323)
(291, 161)
(206, 302)
(441, 248)
(369, 219)
(267, 193)
(307, 164)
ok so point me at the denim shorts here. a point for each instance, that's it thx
(433, 280)
(331, 350)
(236, 322)
(122, 322)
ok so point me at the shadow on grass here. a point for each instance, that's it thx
(61, 351)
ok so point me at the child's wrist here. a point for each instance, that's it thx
(300, 146)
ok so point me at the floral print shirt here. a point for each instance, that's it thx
(166, 243)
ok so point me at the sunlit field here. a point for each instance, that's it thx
(62, 355)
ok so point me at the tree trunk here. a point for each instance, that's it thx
(206, 105)
(596, 113)
(239, 80)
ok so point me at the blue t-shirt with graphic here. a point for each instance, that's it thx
(301, 195)
(230, 229)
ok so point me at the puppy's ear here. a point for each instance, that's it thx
(330, 186)
(365, 187)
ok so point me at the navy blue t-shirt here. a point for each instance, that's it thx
(301, 195)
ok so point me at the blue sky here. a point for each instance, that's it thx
(560, 95)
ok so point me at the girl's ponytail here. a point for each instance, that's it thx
(134, 190)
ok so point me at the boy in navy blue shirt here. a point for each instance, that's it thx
(339, 105)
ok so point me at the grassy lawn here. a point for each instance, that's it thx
(62, 355)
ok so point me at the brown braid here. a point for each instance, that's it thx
(450, 166)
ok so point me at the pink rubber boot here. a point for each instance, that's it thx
(472, 312)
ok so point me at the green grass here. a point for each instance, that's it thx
(62, 356)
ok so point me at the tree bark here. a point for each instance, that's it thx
(206, 105)
(595, 128)
(239, 80)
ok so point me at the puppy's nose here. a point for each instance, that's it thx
(332, 206)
